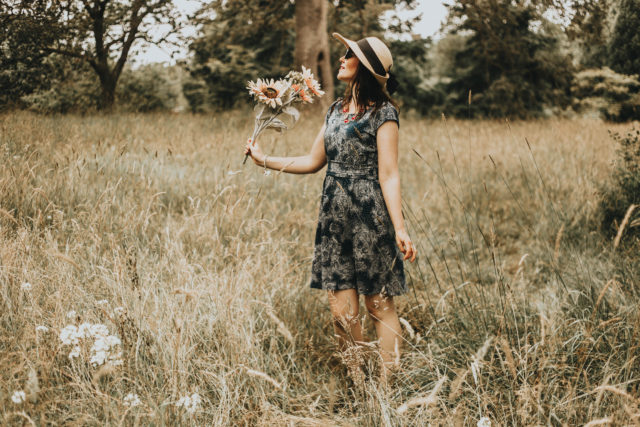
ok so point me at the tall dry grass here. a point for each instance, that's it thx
(520, 310)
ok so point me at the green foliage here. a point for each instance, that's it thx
(615, 96)
(102, 34)
(146, 89)
(24, 27)
(589, 30)
(625, 41)
(75, 88)
(235, 47)
(412, 68)
(625, 189)
(511, 60)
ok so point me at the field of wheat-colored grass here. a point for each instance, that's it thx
(520, 309)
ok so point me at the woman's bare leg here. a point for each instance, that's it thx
(344, 308)
(346, 324)
(383, 313)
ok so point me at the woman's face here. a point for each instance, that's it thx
(348, 66)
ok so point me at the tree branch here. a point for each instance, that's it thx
(67, 53)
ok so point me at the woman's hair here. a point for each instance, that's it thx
(367, 90)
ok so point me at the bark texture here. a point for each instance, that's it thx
(312, 44)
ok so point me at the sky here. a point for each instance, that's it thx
(433, 13)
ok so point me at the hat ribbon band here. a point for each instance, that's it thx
(371, 56)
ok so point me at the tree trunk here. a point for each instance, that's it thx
(312, 44)
(107, 91)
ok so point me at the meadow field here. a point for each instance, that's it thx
(148, 278)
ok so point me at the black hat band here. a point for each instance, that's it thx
(371, 56)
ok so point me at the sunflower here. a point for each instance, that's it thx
(300, 91)
(267, 91)
(312, 84)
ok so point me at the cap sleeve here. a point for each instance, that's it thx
(330, 110)
(386, 113)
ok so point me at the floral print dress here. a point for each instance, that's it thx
(355, 245)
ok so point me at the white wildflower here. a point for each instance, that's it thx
(102, 302)
(484, 422)
(190, 403)
(69, 335)
(84, 330)
(75, 352)
(71, 314)
(18, 397)
(118, 311)
(132, 400)
(98, 358)
(116, 359)
(104, 348)
(99, 330)
(41, 328)
(101, 350)
(26, 286)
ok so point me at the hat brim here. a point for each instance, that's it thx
(361, 56)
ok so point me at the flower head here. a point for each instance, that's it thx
(484, 422)
(132, 400)
(311, 82)
(18, 397)
(105, 348)
(26, 286)
(300, 91)
(41, 328)
(190, 403)
(69, 335)
(75, 352)
(268, 91)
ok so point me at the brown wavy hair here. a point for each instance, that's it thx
(367, 91)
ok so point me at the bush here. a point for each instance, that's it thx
(614, 96)
(197, 94)
(76, 88)
(73, 87)
(146, 89)
(625, 188)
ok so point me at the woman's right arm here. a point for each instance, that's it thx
(311, 163)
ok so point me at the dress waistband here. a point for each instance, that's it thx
(346, 170)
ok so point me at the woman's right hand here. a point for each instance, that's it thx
(253, 149)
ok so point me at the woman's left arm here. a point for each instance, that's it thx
(387, 140)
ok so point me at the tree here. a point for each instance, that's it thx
(625, 40)
(99, 32)
(511, 59)
(590, 30)
(312, 43)
(356, 19)
(24, 27)
(234, 47)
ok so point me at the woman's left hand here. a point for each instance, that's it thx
(406, 245)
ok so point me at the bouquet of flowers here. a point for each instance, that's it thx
(275, 100)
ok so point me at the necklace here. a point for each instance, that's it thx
(355, 116)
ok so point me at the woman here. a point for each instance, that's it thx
(360, 221)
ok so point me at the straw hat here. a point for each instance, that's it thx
(375, 56)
